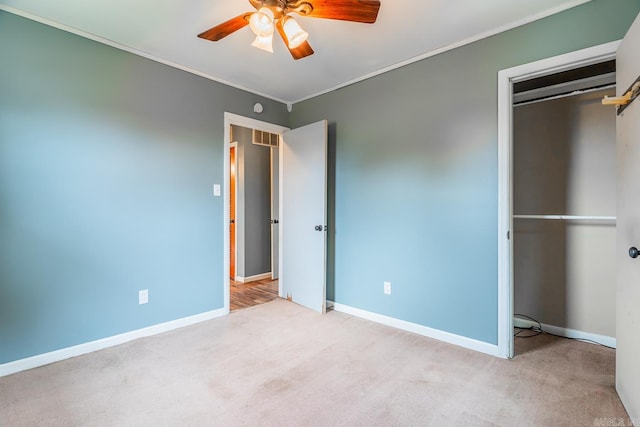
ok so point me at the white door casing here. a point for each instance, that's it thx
(506, 79)
(303, 215)
(628, 228)
(275, 212)
(234, 119)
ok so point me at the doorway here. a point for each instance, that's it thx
(564, 208)
(253, 159)
(229, 120)
(507, 79)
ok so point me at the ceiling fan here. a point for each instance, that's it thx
(274, 15)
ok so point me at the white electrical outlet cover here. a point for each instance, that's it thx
(143, 296)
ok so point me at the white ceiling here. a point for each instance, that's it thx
(165, 30)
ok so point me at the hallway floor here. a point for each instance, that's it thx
(248, 294)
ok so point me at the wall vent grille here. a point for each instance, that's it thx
(265, 138)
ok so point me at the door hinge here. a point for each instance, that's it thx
(508, 235)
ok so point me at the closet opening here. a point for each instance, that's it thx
(563, 207)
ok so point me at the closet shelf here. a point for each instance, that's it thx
(568, 217)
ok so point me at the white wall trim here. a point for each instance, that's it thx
(233, 144)
(253, 278)
(281, 217)
(415, 328)
(78, 350)
(234, 119)
(506, 78)
(129, 49)
(570, 333)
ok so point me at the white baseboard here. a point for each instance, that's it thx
(77, 350)
(568, 332)
(415, 328)
(253, 278)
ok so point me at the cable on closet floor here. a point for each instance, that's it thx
(537, 330)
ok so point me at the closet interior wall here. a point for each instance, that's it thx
(564, 163)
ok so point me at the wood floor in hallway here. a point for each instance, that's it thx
(248, 294)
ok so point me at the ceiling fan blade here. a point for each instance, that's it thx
(365, 11)
(223, 30)
(299, 52)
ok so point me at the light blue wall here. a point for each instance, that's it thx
(416, 175)
(107, 162)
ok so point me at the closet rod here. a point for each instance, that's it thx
(564, 95)
(567, 217)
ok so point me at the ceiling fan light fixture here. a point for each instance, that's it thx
(295, 34)
(265, 43)
(270, 15)
(261, 22)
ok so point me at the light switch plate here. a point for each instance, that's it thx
(216, 190)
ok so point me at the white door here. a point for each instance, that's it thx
(303, 215)
(628, 228)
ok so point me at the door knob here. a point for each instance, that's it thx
(633, 252)
(318, 228)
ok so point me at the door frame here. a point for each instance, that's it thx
(506, 78)
(233, 144)
(235, 119)
(275, 262)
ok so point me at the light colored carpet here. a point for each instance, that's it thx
(279, 364)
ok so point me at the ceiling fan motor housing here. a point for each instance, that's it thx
(282, 7)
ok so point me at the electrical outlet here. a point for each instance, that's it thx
(143, 296)
(387, 288)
